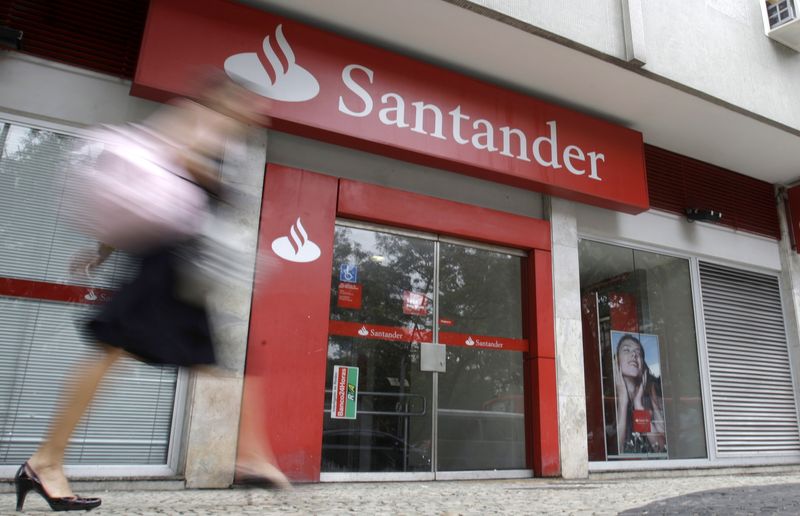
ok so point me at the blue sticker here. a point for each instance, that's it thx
(348, 272)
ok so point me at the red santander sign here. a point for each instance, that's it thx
(321, 85)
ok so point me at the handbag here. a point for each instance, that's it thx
(221, 255)
(135, 195)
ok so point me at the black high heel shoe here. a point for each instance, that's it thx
(26, 479)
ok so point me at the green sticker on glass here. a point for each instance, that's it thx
(345, 392)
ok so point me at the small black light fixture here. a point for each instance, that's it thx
(10, 38)
(704, 214)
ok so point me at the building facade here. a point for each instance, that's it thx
(491, 239)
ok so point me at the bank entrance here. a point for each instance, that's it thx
(433, 329)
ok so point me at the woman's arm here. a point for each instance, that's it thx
(622, 408)
(657, 436)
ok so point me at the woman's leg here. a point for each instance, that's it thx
(255, 458)
(48, 460)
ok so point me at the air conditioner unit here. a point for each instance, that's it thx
(782, 22)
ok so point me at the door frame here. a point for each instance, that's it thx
(435, 474)
(286, 330)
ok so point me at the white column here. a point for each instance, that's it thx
(569, 339)
(790, 288)
(214, 401)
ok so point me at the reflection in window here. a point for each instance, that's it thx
(643, 397)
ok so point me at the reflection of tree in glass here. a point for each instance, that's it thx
(386, 266)
(480, 291)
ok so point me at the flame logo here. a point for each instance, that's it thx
(273, 73)
(363, 331)
(469, 341)
(299, 248)
(90, 296)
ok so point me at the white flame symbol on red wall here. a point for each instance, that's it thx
(299, 248)
(272, 72)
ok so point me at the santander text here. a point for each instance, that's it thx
(430, 119)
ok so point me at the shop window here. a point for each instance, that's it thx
(643, 391)
(42, 310)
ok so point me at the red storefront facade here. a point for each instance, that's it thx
(322, 86)
(447, 269)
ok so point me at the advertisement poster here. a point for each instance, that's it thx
(344, 396)
(640, 420)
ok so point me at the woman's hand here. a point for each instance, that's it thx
(86, 261)
(638, 394)
(622, 407)
(620, 388)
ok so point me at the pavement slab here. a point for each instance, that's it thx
(777, 493)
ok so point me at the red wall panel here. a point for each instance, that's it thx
(676, 182)
(101, 35)
(287, 347)
(413, 211)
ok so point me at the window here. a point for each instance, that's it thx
(42, 309)
(643, 390)
(779, 12)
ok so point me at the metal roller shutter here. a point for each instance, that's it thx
(752, 392)
(41, 340)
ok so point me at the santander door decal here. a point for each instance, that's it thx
(325, 86)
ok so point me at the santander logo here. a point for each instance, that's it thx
(363, 331)
(469, 341)
(273, 73)
(299, 248)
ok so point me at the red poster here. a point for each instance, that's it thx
(348, 295)
(415, 303)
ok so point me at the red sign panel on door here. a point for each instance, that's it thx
(348, 295)
(322, 85)
(404, 334)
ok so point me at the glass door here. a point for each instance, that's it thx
(480, 416)
(408, 413)
(381, 309)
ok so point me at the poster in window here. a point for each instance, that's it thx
(640, 422)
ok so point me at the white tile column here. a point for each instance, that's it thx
(790, 288)
(569, 339)
(215, 396)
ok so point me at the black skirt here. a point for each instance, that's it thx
(148, 319)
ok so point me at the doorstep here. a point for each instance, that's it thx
(698, 471)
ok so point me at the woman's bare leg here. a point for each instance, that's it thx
(48, 460)
(255, 454)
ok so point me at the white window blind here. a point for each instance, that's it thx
(42, 342)
(752, 392)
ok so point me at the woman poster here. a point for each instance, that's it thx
(640, 421)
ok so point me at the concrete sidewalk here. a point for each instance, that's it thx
(742, 493)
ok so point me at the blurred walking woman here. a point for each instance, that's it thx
(147, 318)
